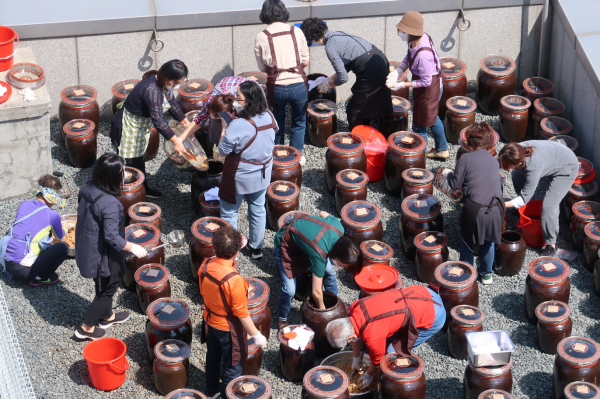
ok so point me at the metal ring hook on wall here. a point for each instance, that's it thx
(156, 45)
(463, 21)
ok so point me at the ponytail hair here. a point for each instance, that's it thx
(220, 103)
(513, 154)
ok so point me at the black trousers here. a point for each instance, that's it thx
(140, 164)
(44, 266)
(218, 347)
(106, 287)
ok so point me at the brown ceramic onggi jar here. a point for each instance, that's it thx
(403, 77)
(168, 318)
(171, 365)
(480, 379)
(147, 236)
(460, 114)
(314, 94)
(145, 212)
(257, 76)
(282, 197)
(286, 217)
(321, 121)
(397, 121)
(210, 208)
(201, 247)
(597, 275)
(153, 145)
(133, 189)
(402, 378)
(120, 91)
(186, 394)
(204, 181)
(534, 88)
(193, 94)
(325, 382)
(295, 363)
(554, 324)
(514, 118)
(432, 251)
(79, 102)
(464, 320)
(548, 280)
(362, 221)
(576, 361)
(584, 212)
(81, 142)
(582, 390)
(458, 285)
(569, 141)
(152, 284)
(345, 151)
(375, 252)
(553, 126)
(464, 145)
(591, 244)
(543, 107)
(286, 165)
(248, 387)
(585, 189)
(420, 212)
(495, 394)
(510, 253)
(454, 82)
(496, 78)
(258, 305)
(317, 320)
(252, 363)
(416, 181)
(406, 151)
(351, 186)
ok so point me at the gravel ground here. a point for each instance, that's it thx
(46, 317)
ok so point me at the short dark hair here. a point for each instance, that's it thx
(50, 181)
(256, 103)
(220, 103)
(227, 242)
(170, 70)
(273, 11)
(108, 174)
(346, 251)
(480, 135)
(313, 29)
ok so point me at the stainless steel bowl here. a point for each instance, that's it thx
(345, 359)
(489, 348)
(70, 218)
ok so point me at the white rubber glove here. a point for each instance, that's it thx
(356, 363)
(324, 86)
(392, 78)
(138, 251)
(397, 86)
(260, 340)
(365, 380)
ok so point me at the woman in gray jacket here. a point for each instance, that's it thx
(530, 161)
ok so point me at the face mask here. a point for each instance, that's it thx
(403, 36)
(174, 87)
(336, 266)
(237, 106)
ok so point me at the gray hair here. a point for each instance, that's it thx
(338, 332)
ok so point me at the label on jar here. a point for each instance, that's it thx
(552, 309)
(326, 378)
(281, 153)
(430, 239)
(392, 68)
(128, 86)
(168, 309)
(144, 209)
(252, 77)
(417, 173)
(212, 227)
(321, 106)
(79, 92)
(461, 102)
(248, 387)
(497, 396)
(194, 85)
(377, 247)
(152, 272)
(549, 267)
(448, 64)
(467, 311)
(352, 175)
(77, 125)
(128, 175)
(361, 211)
(579, 347)
(281, 187)
(172, 347)
(584, 389)
(402, 362)
(456, 271)
(139, 233)
(407, 140)
(250, 292)
(346, 140)
(421, 203)
(396, 101)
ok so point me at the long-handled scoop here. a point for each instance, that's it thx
(174, 238)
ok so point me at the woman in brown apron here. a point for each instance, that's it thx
(423, 62)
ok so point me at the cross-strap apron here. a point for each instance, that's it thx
(408, 332)
(239, 336)
(274, 71)
(295, 262)
(232, 161)
(426, 100)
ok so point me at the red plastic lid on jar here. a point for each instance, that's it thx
(134, 178)
(122, 89)
(326, 382)
(468, 316)
(285, 157)
(377, 278)
(407, 143)
(463, 142)
(79, 129)
(497, 66)
(421, 206)
(417, 177)
(495, 394)
(285, 337)
(352, 179)
(257, 76)
(78, 96)
(376, 251)
(288, 216)
(548, 106)
(402, 77)
(452, 68)
(491, 371)
(143, 234)
(146, 212)
(361, 215)
(582, 390)
(569, 141)
(592, 231)
(172, 351)
(398, 368)
(151, 275)
(321, 109)
(579, 351)
(552, 312)
(454, 275)
(204, 228)
(461, 106)
(587, 211)
(283, 191)
(185, 393)
(168, 313)
(585, 190)
(346, 144)
(258, 292)
(430, 241)
(585, 168)
(400, 105)
(514, 103)
(195, 89)
(555, 125)
(549, 271)
(248, 387)
(538, 87)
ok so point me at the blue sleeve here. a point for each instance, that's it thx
(337, 63)
(55, 223)
(231, 138)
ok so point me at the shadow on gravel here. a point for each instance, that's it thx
(444, 388)
(511, 305)
(593, 332)
(137, 353)
(78, 373)
(526, 335)
(536, 385)
(589, 306)
(128, 300)
(46, 306)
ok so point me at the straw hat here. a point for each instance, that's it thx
(411, 23)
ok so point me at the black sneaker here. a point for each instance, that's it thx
(37, 282)
(254, 253)
(94, 335)
(152, 193)
(548, 251)
(120, 317)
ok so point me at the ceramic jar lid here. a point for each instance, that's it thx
(377, 278)
(585, 168)
(421, 207)
(78, 129)
(321, 108)
(402, 77)
(400, 105)
(168, 313)
(122, 89)
(326, 382)
(582, 390)
(134, 178)
(283, 191)
(407, 143)
(454, 275)
(288, 216)
(195, 89)
(143, 234)
(491, 371)
(248, 387)
(498, 66)
(460, 105)
(346, 144)
(468, 316)
(548, 106)
(376, 251)
(352, 179)
(417, 177)
(257, 76)
(579, 351)
(464, 144)
(204, 228)
(538, 87)
(398, 368)
(284, 337)
(78, 96)
(555, 125)
(452, 68)
(26, 75)
(361, 215)
(548, 271)
(495, 394)
(285, 157)
(514, 103)
(151, 276)
(258, 292)
(583, 191)
(145, 212)
(172, 351)
(185, 393)
(430, 241)
(592, 231)
(587, 211)
(552, 312)
(569, 141)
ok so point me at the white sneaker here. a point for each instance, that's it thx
(302, 160)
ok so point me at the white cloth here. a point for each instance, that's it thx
(212, 194)
(28, 94)
(303, 337)
(314, 83)
(3, 90)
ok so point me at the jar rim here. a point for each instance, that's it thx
(278, 152)
(319, 393)
(566, 354)
(283, 191)
(549, 315)
(138, 275)
(468, 316)
(184, 92)
(245, 379)
(548, 106)
(404, 137)
(79, 129)
(499, 66)
(470, 279)
(351, 175)
(89, 90)
(416, 361)
(515, 103)
(152, 217)
(461, 105)
(541, 271)
(454, 71)
(537, 86)
(356, 207)
(368, 245)
(118, 89)
(334, 144)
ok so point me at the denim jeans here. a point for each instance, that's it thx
(218, 347)
(486, 256)
(437, 129)
(257, 215)
(296, 95)
(288, 285)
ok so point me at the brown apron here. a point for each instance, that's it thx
(426, 100)
(408, 332)
(239, 336)
(295, 262)
(273, 72)
(232, 161)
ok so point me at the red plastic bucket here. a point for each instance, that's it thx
(106, 363)
(7, 47)
(530, 223)
(375, 149)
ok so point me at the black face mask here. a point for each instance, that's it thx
(215, 127)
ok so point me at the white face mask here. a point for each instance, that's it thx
(175, 87)
(336, 266)
(237, 106)
(403, 36)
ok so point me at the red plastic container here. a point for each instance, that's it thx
(7, 47)
(376, 149)
(530, 223)
(106, 362)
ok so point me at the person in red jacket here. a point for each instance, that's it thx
(411, 316)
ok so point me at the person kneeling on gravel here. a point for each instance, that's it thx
(378, 321)
(226, 321)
